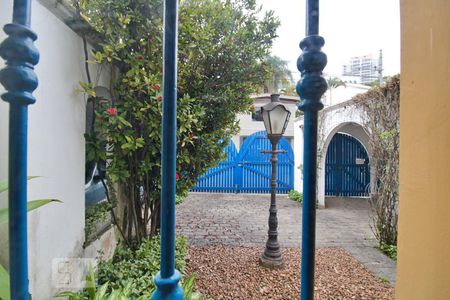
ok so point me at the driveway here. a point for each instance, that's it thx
(241, 220)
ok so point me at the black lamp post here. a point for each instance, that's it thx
(276, 117)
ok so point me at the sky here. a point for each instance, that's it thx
(350, 28)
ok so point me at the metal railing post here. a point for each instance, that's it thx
(20, 81)
(310, 88)
(167, 279)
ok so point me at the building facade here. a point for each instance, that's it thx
(363, 69)
(252, 123)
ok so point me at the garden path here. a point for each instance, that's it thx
(241, 220)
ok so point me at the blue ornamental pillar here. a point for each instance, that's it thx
(167, 279)
(310, 89)
(20, 81)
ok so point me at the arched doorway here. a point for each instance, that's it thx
(346, 167)
(351, 127)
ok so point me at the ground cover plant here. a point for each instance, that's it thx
(222, 49)
(389, 250)
(130, 272)
(138, 266)
(296, 196)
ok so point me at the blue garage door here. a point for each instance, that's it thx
(249, 171)
(347, 167)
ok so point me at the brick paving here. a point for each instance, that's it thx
(241, 220)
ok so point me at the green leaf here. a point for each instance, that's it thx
(32, 205)
(90, 284)
(4, 183)
(101, 293)
(4, 284)
(70, 295)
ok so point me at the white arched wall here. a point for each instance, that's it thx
(344, 117)
(351, 128)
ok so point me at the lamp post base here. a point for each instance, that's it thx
(168, 288)
(272, 261)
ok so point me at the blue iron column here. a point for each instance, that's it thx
(310, 89)
(20, 81)
(167, 279)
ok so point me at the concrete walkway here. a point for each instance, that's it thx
(241, 220)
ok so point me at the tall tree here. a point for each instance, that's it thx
(221, 47)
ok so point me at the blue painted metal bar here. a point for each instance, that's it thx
(20, 81)
(167, 279)
(310, 89)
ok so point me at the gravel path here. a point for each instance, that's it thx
(234, 273)
(240, 220)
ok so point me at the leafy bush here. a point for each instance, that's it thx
(95, 214)
(296, 196)
(179, 198)
(138, 267)
(103, 292)
(381, 106)
(389, 250)
(222, 47)
(129, 274)
(94, 292)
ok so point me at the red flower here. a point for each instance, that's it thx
(112, 111)
(156, 87)
(177, 177)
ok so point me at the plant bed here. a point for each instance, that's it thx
(129, 274)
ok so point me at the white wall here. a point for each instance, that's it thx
(343, 117)
(56, 146)
(298, 157)
(343, 93)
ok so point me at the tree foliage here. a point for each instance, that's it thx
(381, 106)
(279, 77)
(222, 45)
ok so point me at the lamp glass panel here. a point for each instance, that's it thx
(265, 115)
(278, 117)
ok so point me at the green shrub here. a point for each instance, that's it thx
(296, 196)
(179, 198)
(95, 214)
(104, 292)
(138, 267)
(389, 250)
(214, 86)
(94, 292)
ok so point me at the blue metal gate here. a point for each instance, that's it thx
(249, 171)
(222, 177)
(347, 167)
